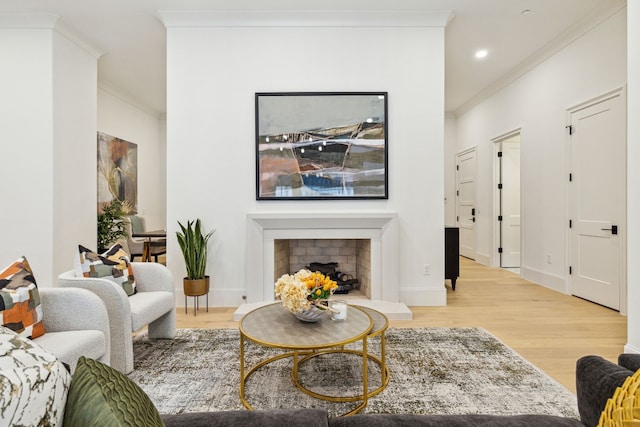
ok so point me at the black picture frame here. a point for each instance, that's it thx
(321, 145)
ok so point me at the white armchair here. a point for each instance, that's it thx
(76, 324)
(153, 304)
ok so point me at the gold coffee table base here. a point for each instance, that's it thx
(384, 374)
(287, 333)
(294, 373)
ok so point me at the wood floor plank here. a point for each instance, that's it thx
(548, 328)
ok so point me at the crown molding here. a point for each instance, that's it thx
(78, 40)
(304, 18)
(49, 21)
(116, 92)
(570, 35)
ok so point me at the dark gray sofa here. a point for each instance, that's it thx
(596, 381)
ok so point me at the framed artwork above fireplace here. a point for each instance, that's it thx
(321, 145)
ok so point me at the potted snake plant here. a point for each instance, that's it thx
(193, 244)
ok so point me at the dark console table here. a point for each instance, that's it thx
(452, 255)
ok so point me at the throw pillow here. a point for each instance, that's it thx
(113, 265)
(99, 392)
(623, 409)
(33, 383)
(20, 308)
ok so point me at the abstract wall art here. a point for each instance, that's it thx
(321, 145)
(117, 172)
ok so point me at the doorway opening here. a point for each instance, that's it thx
(508, 236)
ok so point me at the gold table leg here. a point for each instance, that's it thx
(146, 251)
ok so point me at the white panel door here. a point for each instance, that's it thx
(466, 200)
(510, 203)
(598, 140)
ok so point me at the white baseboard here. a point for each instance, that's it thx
(630, 348)
(424, 297)
(542, 278)
(217, 298)
(483, 259)
(393, 310)
(418, 296)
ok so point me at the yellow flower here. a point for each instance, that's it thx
(299, 290)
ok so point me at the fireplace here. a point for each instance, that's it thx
(378, 228)
(347, 261)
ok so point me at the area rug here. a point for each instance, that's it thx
(433, 371)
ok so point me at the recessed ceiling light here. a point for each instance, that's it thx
(481, 54)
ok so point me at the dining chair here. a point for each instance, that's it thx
(135, 224)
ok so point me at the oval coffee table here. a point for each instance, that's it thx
(273, 326)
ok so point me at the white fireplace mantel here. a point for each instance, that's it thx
(263, 229)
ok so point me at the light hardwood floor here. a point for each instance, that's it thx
(548, 328)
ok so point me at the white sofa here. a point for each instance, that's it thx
(153, 304)
(76, 324)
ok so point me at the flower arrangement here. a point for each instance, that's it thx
(303, 289)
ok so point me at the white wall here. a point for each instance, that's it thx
(27, 123)
(120, 118)
(75, 72)
(47, 110)
(450, 150)
(537, 102)
(213, 74)
(633, 177)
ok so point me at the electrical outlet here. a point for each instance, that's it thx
(427, 269)
(548, 258)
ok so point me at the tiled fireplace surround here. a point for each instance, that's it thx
(352, 255)
(374, 235)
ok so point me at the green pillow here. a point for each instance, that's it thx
(101, 395)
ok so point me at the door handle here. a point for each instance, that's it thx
(613, 229)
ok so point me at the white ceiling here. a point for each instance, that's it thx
(132, 39)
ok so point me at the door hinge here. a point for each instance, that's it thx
(499, 250)
(570, 223)
(457, 167)
(500, 186)
(499, 217)
(570, 270)
(570, 129)
(457, 192)
(499, 153)
(457, 219)
(570, 177)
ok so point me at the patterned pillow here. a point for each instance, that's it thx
(20, 308)
(101, 393)
(113, 265)
(34, 383)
